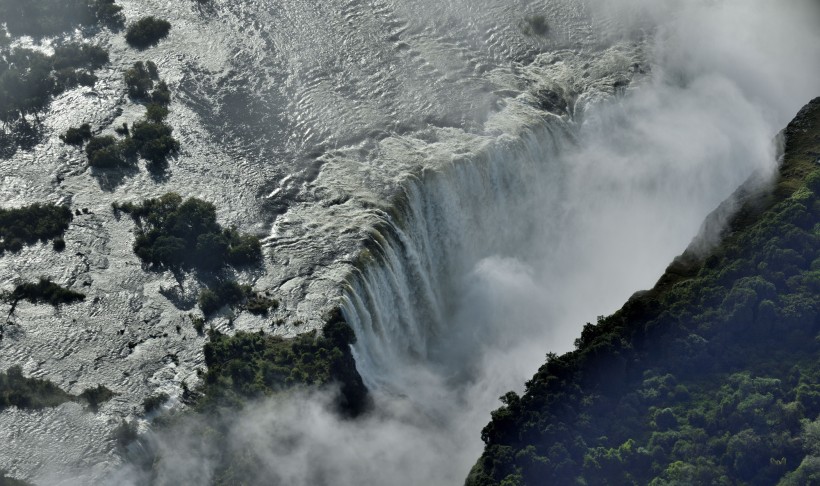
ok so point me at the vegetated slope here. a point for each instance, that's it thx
(712, 377)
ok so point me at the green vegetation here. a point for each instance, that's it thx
(709, 378)
(147, 32)
(28, 78)
(224, 293)
(21, 392)
(96, 396)
(150, 138)
(154, 402)
(185, 234)
(139, 79)
(230, 293)
(198, 323)
(248, 365)
(29, 224)
(260, 304)
(536, 25)
(44, 292)
(105, 152)
(77, 136)
(42, 18)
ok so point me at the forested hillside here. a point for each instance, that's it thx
(711, 377)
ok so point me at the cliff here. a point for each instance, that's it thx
(711, 377)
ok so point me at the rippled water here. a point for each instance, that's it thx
(305, 122)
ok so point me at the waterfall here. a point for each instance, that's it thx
(445, 221)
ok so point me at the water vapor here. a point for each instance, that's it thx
(610, 214)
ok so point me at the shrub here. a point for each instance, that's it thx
(77, 136)
(260, 305)
(8, 481)
(177, 233)
(153, 402)
(161, 94)
(58, 244)
(29, 224)
(224, 293)
(45, 292)
(21, 392)
(153, 139)
(96, 396)
(29, 78)
(104, 152)
(147, 32)
(156, 113)
(139, 79)
(536, 25)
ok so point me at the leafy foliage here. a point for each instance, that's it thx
(96, 396)
(185, 234)
(248, 365)
(77, 136)
(154, 402)
(709, 378)
(45, 292)
(29, 78)
(29, 224)
(31, 393)
(230, 293)
(150, 138)
(146, 32)
(139, 79)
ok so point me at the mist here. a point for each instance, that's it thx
(649, 166)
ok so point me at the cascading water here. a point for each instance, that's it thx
(444, 222)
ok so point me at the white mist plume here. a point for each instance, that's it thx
(727, 75)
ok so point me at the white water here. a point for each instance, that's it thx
(511, 228)
(486, 261)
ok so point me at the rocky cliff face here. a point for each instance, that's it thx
(708, 378)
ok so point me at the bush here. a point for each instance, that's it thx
(177, 233)
(161, 94)
(153, 139)
(31, 393)
(260, 305)
(77, 136)
(139, 79)
(156, 113)
(7, 481)
(96, 396)
(29, 78)
(224, 293)
(58, 244)
(45, 292)
(104, 153)
(147, 32)
(536, 25)
(29, 224)
(153, 402)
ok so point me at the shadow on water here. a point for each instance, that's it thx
(19, 136)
